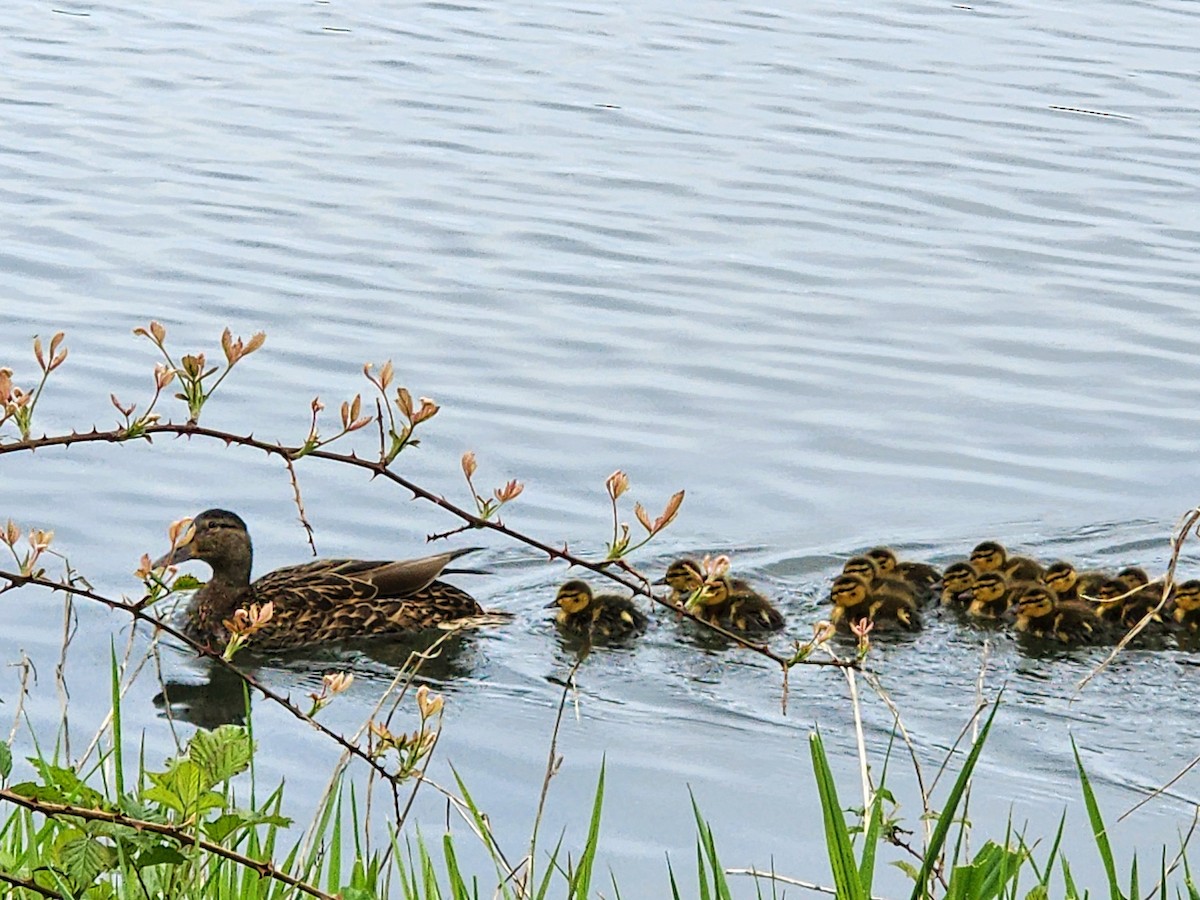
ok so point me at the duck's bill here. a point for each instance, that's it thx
(662, 580)
(174, 557)
(553, 603)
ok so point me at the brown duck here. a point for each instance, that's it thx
(324, 600)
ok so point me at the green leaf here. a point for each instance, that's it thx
(186, 583)
(82, 856)
(70, 786)
(837, 837)
(159, 855)
(581, 883)
(221, 754)
(223, 826)
(1098, 830)
(5, 761)
(938, 839)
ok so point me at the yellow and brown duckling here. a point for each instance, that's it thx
(580, 611)
(991, 556)
(744, 610)
(1041, 614)
(855, 598)
(921, 576)
(1186, 605)
(1128, 598)
(1068, 583)
(870, 569)
(686, 576)
(992, 593)
(315, 602)
(957, 581)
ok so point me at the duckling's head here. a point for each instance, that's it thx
(1133, 577)
(989, 587)
(573, 597)
(1111, 588)
(990, 556)
(1036, 602)
(219, 538)
(865, 565)
(683, 575)
(849, 590)
(958, 578)
(1187, 595)
(713, 593)
(885, 557)
(1060, 576)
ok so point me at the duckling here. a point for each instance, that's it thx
(748, 611)
(990, 556)
(869, 568)
(957, 581)
(685, 576)
(1041, 614)
(1068, 583)
(599, 615)
(854, 598)
(921, 576)
(1187, 605)
(992, 594)
(1126, 600)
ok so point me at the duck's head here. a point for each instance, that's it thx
(1133, 577)
(849, 590)
(958, 578)
(1111, 589)
(865, 565)
(713, 593)
(1036, 602)
(683, 575)
(219, 538)
(1060, 576)
(884, 557)
(989, 587)
(573, 597)
(990, 556)
(1187, 596)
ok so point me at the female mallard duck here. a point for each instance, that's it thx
(315, 602)
(1041, 614)
(1186, 612)
(921, 576)
(745, 610)
(855, 598)
(1068, 584)
(991, 556)
(957, 581)
(597, 615)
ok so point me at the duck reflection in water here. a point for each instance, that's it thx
(218, 696)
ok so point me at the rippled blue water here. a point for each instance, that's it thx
(915, 273)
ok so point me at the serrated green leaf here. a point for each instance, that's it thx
(83, 857)
(223, 826)
(186, 583)
(159, 855)
(71, 788)
(221, 754)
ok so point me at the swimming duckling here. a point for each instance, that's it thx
(921, 576)
(990, 556)
(686, 576)
(599, 615)
(870, 569)
(992, 594)
(1125, 601)
(1041, 614)
(748, 611)
(1187, 605)
(957, 581)
(854, 598)
(1068, 583)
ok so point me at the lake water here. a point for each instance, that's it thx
(921, 274)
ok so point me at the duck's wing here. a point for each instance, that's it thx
(331, 581)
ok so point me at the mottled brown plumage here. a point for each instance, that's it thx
(324, 600)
